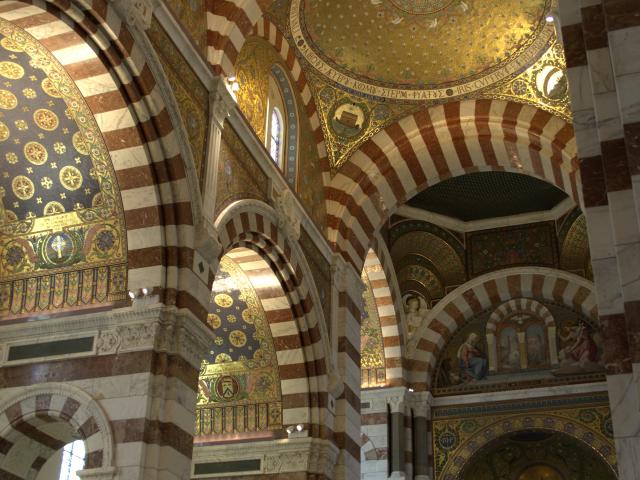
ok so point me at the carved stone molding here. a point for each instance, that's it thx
(288, 215)
(137, 13)
(222, 103)
(279, 456)
(97, 474)
(130, 329)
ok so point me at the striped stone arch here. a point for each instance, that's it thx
(270, 32)
(487, 291)
(437, 143)
(301, 344)
(28, 440)
(113, 74)
(386, 302)
(229, 23)
(519, 305)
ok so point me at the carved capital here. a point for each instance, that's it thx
(136, 13)
(397, 403)
(222, 103)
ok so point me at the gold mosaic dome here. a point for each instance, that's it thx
(445, 47)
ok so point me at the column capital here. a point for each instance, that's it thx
(345, 276)
(221, 101)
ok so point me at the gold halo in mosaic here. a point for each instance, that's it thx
(50, 89)
(8, 100)
(70, 177)
(11, 45)
(11, 70)
(80, 143)
(36, 153)
(238, 338)
(4, 132)
(214, 320)
(22, 187)
(223, 300)
(46, 119)
(247, 316)
(53, 208)
(223, 358)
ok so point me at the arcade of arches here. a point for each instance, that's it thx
(320, 239)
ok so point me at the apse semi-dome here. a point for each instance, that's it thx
(420, 49)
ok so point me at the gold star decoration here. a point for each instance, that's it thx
(54, 165)
(63, 195)
(39, 200)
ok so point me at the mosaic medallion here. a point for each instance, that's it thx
(239, 387)
(62, 242)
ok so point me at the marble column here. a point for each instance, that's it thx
(397, 436)
(421, 415)
(603, 67)
(347, 308)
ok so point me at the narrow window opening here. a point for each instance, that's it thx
(276, 137)
(72, 460)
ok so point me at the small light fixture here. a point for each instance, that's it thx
(231, 78)
(290, 429)
(235, 86)
(132, 295)
(411, 390)
(299, 427)
(145, 291)
(550, 18)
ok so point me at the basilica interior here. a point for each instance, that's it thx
(319, 239)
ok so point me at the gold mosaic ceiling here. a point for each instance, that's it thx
(423, 44)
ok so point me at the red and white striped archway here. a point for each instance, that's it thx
(437, 143)
(305, 358)
(483, 292)
(112, 72)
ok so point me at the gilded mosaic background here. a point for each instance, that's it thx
(371, 343)
(537, 456)
(239, 176)
(239, 385)
(460, 432)
(193, 16)
(191, 95)
(253, 68)
(63, 241)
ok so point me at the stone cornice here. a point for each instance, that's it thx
(141, 327)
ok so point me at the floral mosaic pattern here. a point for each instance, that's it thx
(62, 228)
(239, 385)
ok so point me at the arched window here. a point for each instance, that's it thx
(276, 136)
(72, 460)
(282, 124)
